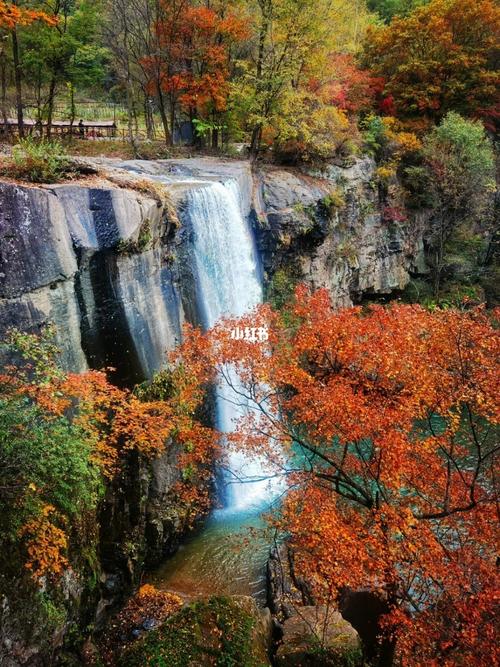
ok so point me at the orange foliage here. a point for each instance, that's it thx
(11, 16)
(387, 434)
(46, 546)
(114, 421)
(440, 58)
(192, 63)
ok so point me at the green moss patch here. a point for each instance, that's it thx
(217, 631)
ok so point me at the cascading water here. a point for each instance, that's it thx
(228, 284)
(220, 559)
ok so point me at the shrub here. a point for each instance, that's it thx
(374, 134)
(143, 241)
(47, 477)
(393, 214)
(333, 201)
(39, 161)
(312, 132)
(281, 287)
(460, 161)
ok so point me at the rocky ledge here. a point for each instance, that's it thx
(107, 265)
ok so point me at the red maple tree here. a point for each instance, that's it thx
(386, 422)
(193, 59)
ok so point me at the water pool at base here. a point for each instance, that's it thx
(226, 557)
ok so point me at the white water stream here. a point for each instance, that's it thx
(228, 284)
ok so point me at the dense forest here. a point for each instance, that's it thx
(364, 136)
(303, 77)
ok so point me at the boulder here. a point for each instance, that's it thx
(218, 630)
(318, 637)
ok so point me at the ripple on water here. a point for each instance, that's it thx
(227, 557)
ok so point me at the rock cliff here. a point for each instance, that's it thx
(337, 232)
(104, 264)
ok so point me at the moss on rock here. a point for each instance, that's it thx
(219, 631)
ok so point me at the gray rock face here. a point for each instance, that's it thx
(336, 232)
(38, 268)
(99, 218)
(35, 245)
(99, 262)
(92, 261)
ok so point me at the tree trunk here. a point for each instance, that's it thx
(264, 28)
(19, 84)
(3, 77)
(148, 116)
(50, 106)
(172, 124)
(130, 115)
(163, 114)
(215, 138)
(256, 139)
(72, 111)
(387, 653)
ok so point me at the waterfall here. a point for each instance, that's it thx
(228, 284)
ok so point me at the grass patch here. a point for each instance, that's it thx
(35, 161)
(333, 202)
(143, 241)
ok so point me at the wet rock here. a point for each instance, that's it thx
(93, 262)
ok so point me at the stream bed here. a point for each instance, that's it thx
(227, 556)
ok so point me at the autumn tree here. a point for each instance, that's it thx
(193, 61)
(440, 58)
(292, 46)
(12, 16)
(458, 178)
(140, 61)
(63, 436)
(385, 423)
